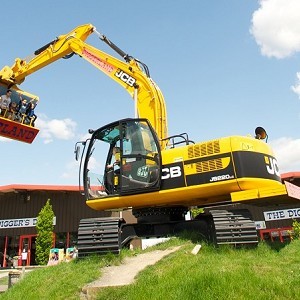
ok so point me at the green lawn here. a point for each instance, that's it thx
(214, 273)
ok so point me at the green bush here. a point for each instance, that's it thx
(44, 229)
(196, 211)
(296, 229)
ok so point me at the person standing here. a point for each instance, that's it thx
(5, 101)
(24, 257)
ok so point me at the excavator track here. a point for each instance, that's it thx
(98, 236)
(234, 227)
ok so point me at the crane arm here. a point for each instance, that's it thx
(131, 74)
(44, 56)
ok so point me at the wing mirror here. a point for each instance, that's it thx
(78, 149)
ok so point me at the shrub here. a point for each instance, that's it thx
(296, 229)
(196, 211)
(44, 229)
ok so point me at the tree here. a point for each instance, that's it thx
(44, 240)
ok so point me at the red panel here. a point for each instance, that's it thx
(17, 131)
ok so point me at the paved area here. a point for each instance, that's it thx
(4, 274)
(124, 274)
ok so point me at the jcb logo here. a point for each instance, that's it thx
(171, 172)
(272, 166)
(125, 77)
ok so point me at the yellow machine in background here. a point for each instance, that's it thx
(158, 176)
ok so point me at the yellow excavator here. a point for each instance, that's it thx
(134, 164)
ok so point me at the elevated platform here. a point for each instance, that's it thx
(17, 131)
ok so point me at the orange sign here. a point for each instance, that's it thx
(17, 131)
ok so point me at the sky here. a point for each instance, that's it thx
(223, 66)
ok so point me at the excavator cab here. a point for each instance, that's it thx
(122, 158)
(16, 124)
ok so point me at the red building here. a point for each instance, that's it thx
(19, 208)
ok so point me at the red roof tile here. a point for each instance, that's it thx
(35, 187)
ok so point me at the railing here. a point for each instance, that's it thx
(284, 234)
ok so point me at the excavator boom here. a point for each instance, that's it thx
(130, 73)
(44, 56)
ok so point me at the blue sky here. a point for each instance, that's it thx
(224, 67)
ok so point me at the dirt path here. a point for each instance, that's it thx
(124, 274)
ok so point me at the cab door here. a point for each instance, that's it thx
(139, 160)
(140, 166)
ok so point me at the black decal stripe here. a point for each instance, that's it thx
(173, 183)
(252, 164)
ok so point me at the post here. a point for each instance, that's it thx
(135, 103)
(13, 277)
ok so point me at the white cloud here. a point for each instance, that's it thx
(71, 171)
(84, 137)
(296, 88)
(287, 152)
(276, 27)
(60, 129)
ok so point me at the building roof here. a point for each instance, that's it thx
(34, 187)
(292, 177)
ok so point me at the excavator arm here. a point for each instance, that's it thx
(131, 74)
(44, 56)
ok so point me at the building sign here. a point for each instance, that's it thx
(282, 214)
(15, 223)
(18, 223)
(260, 225)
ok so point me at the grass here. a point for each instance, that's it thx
(223, 273)
(63, 281)
(214, 273)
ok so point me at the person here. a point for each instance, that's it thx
(24, 257)
(21, 109)
(116, 160)
(112, 173)
(5, 101)
(30, 115)
(12, 112)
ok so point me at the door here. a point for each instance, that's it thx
(131, 165)
(27, 247)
